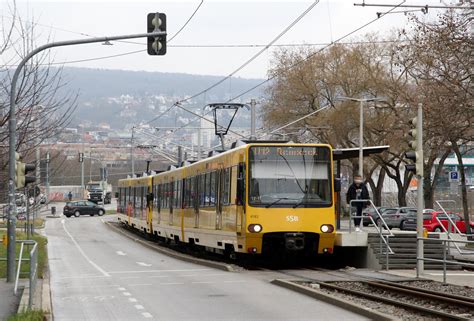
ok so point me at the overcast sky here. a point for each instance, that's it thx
(216, 23)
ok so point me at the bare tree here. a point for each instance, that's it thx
(44, 107)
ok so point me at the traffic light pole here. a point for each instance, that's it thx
(419, 191)
(11, 225)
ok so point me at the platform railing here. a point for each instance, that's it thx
(379, 227)
(445, 261)
(451, 225)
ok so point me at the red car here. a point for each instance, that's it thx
(432, 224)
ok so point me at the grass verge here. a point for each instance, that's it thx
(38, 223)
(34, 315)
(25, 265)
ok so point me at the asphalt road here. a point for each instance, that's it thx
(98, 274)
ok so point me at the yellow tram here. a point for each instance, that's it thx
(257, 198)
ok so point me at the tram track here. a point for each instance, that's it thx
(422, 302)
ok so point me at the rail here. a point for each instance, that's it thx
(452, 227)
(382, 237)
(444, 260)
(33, 271)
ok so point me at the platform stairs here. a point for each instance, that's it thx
(404, 248)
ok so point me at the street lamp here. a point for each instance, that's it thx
(361, 127)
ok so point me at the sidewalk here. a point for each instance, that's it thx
(9, 302)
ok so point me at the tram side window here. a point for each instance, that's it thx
(212, 192)
(129, 200)
(226, 188)
(202, 189)
(177, 195)
(192, 191)
(159, 198)
(187, 193)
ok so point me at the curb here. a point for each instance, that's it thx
(331, 299)
(173, 254)
(46, 302)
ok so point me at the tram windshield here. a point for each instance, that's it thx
(289, 176)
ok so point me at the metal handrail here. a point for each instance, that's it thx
(448, 231)
(444, 260)
(33, 272)
(378, 228)
(449, 218)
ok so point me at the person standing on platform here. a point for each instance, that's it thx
(357, 191)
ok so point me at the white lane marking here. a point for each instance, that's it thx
(158, 271)
(159, 276)
(171, 283)
(98, 268)
(121, 289)
(129, 277)
(88, 286)
(143, 264)
(132, 299)
(216, 274)
(452, 274)
(139, 307)
(126, 293)
(203, 282)
(120, 253)
(140, 284)
(147, 315)
(82, 277)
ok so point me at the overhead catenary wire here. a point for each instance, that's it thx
(255, 56)
(338, 40)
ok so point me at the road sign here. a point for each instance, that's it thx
(453, 176)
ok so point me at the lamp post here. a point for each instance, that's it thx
(361, 127)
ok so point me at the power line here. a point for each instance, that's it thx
(294, 22)
(186, 23)
(301, 61)
(316, 52)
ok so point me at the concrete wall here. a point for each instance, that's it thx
(60, 193)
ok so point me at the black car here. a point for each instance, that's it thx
(370, 211)
(82, 208)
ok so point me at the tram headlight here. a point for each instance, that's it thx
(255, 228)
(327, 228)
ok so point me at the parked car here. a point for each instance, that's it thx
(370, 211)
(397, 217)
(431, 223)
(78, 208)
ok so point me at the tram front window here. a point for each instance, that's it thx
(289, 176)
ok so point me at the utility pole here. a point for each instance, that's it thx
(47, 177)
(131, 153)
(199, 140)
(253, 105)
(361, 139)
(419, 191)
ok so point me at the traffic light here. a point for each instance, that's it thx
(21, 169)
(81, 157)
(416, 155)
(156, 22)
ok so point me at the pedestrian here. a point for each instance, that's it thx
(357, 191)
(69, 196)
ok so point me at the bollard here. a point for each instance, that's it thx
(53, 210)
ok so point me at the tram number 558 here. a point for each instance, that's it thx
(292, 218)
